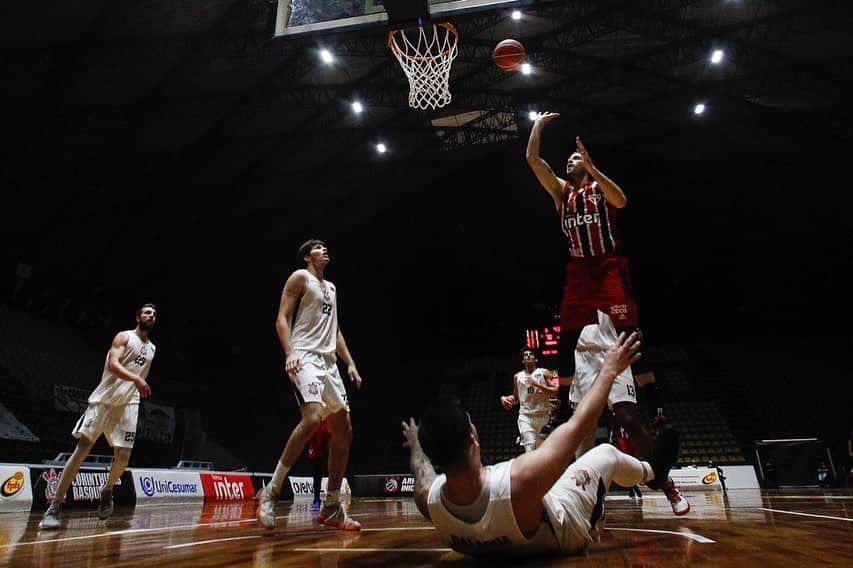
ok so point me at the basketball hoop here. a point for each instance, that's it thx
(425, 56)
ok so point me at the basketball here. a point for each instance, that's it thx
(508, 54)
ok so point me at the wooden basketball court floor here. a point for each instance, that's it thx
(744, 528)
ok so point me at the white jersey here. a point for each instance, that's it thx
(316, 324)
(136, 358)
(531, 398)
(497, 531)
(591, 350)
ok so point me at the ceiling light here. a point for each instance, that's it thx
(516, 14)
(717, 56)
(326, 56)
(533, 115)
(699, 109)
(381, 148)
(526, 68)
(356, 107)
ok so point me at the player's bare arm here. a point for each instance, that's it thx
(612, 192)
(419, 465)
(510, 401)
(116, 368)
(343, 352)
(293, 290)
(547, 385)
(534, 473)
(546, 176)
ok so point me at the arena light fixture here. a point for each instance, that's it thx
(717, 56)
(699, 109)
(381, 148)
(357, 107)
(326, 56)
(516, 15)
(526, 68)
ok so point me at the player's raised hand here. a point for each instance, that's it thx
(410, 433)
(546, 117)
(587, 161)
(622, 354)
(354, 376)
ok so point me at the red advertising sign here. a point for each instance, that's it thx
(227, 486)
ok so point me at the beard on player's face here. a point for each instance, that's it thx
(145, 325)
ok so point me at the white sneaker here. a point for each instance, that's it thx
(335, 515)
(680, 505)
(105, 506)
(265, 512)
(50, 520)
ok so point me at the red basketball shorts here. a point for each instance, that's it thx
(598, 283)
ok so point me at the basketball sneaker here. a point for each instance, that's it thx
(50, 520)
(265, 512)
(105, 506)
(663, 457)
(334, 515)
(315, 505)
(680, 505)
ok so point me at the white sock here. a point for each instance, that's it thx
(529, 448)
(281, 471)
(332, 497)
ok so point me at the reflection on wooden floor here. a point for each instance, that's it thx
(744, 528)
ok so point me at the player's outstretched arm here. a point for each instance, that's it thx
(420, 467)
(552, 184)
(534, 473)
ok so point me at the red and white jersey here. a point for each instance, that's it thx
(589, 221)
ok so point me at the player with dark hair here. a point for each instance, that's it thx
(597, 281)
(531, 392)
(311, 345)
(113, 411)
(536, 503)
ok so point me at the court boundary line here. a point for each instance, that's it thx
(805, 514)
(200, 542)
(326, 549)
(695, 537)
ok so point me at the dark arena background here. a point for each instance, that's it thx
(180, 152)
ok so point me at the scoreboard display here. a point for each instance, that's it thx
(544, 340)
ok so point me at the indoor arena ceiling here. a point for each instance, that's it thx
(198, 93)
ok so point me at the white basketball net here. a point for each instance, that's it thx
(425, 56)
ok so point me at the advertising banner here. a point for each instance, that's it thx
(227, 486)
(16, 493)
(304, 486)
(158, 484)
(387, 485)
(696, 478)
(85, 490)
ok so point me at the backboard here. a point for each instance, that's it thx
(297, 17)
